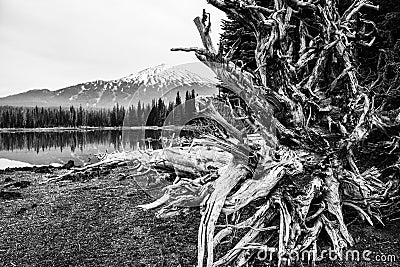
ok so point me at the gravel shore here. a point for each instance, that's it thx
(95, 222)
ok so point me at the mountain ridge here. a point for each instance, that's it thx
(145, 85)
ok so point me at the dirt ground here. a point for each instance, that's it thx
(96, 223)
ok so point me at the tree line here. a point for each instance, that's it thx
(150, 114)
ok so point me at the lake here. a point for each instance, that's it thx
(45, 147)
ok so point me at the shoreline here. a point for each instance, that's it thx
(86, 128)
(90, 128)
(72, 221)
(27, 167)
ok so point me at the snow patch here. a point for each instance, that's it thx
(162, 76)
(158, 78)
(8, 163)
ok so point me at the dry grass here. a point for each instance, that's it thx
(96, 223)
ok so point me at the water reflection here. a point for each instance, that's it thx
(80, 146)
(42, 141)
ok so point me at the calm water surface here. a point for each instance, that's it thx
(81, 146)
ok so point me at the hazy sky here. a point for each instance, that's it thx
(55, 43)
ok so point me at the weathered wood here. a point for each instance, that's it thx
(306, 86)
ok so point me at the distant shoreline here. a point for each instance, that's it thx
(86, 128)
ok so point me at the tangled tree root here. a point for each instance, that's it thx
(282, 190)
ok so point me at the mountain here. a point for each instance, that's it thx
(148, 84)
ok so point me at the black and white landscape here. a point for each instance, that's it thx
(277, 145)
(38, 124)
(146, 85)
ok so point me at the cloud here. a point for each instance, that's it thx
(56, 43)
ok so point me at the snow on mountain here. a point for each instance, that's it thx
(164, 76)
(148, 84)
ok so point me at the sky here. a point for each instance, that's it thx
(51, 44)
